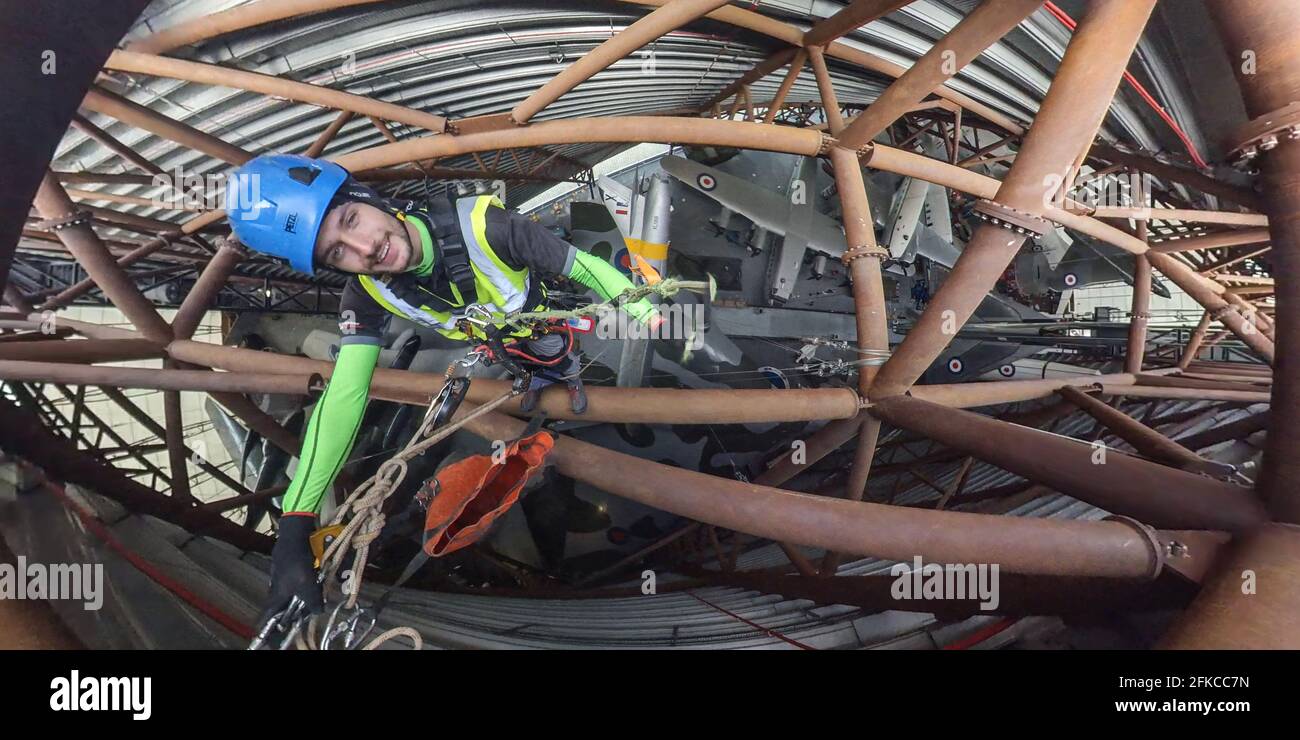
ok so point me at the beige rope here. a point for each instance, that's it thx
(366, 503)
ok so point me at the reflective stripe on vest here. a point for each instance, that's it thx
(501, 289)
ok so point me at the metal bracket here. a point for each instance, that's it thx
(1263, 133)
(864, 250)
(1157, 551)
(80, 218)
(1021, 222)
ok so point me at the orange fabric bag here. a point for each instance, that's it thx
(470, 494)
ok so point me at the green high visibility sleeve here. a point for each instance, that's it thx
(608, 282)
(333, 425)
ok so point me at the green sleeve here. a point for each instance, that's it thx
(608, 282)
(333, 426)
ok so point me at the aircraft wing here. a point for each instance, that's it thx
(765, 208)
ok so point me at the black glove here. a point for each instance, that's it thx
(293, 568)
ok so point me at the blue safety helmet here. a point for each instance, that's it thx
(276, 203)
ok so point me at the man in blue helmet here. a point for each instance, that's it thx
(426, 262)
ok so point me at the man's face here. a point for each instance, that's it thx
(359, 238)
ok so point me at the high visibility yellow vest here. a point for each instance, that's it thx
(501, 289)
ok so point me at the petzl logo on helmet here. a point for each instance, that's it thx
(291, 223)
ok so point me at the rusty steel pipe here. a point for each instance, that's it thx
(1218, 308)
(1084, 83)
(868, 289)
(103, 178)
(1267, 30)
(864, 455)
(657, 23)
(194, 225)
(1147, 441)
(1226, 615)
(1147, 391)
(852, 16)
(92, 195)
(1252, 314)
(796, 68)
(205, 289)
(83, 351)
(1260, 379)
(1233, 218)
(869, 310)
(759, 71)
(318, 146)
(280, 87)
(1179, 381)
(53, 203)
(822, 443)
(639, 405)
(1155, 494)
(911, 164)
(981, 28)
(128, 111)
(1141, 308)
(163, 380)
(82, 124)
(639, 129)
(1231, 368)
(177, 453)
(988, 393)
(1018, 545)
(830, 103)
(1194, 341)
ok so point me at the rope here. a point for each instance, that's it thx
(765, 630)
(368, 498)
(366, 503)
(664, 288)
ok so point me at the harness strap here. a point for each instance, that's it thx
(452, 249)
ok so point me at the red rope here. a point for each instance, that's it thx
(1069, 23)
(97, 527)
(972, 640)
(514, 350)
(759, 627)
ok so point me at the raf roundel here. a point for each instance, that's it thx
(1071, 279)
(1007, 371)
(706, 182)
(955, 365)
